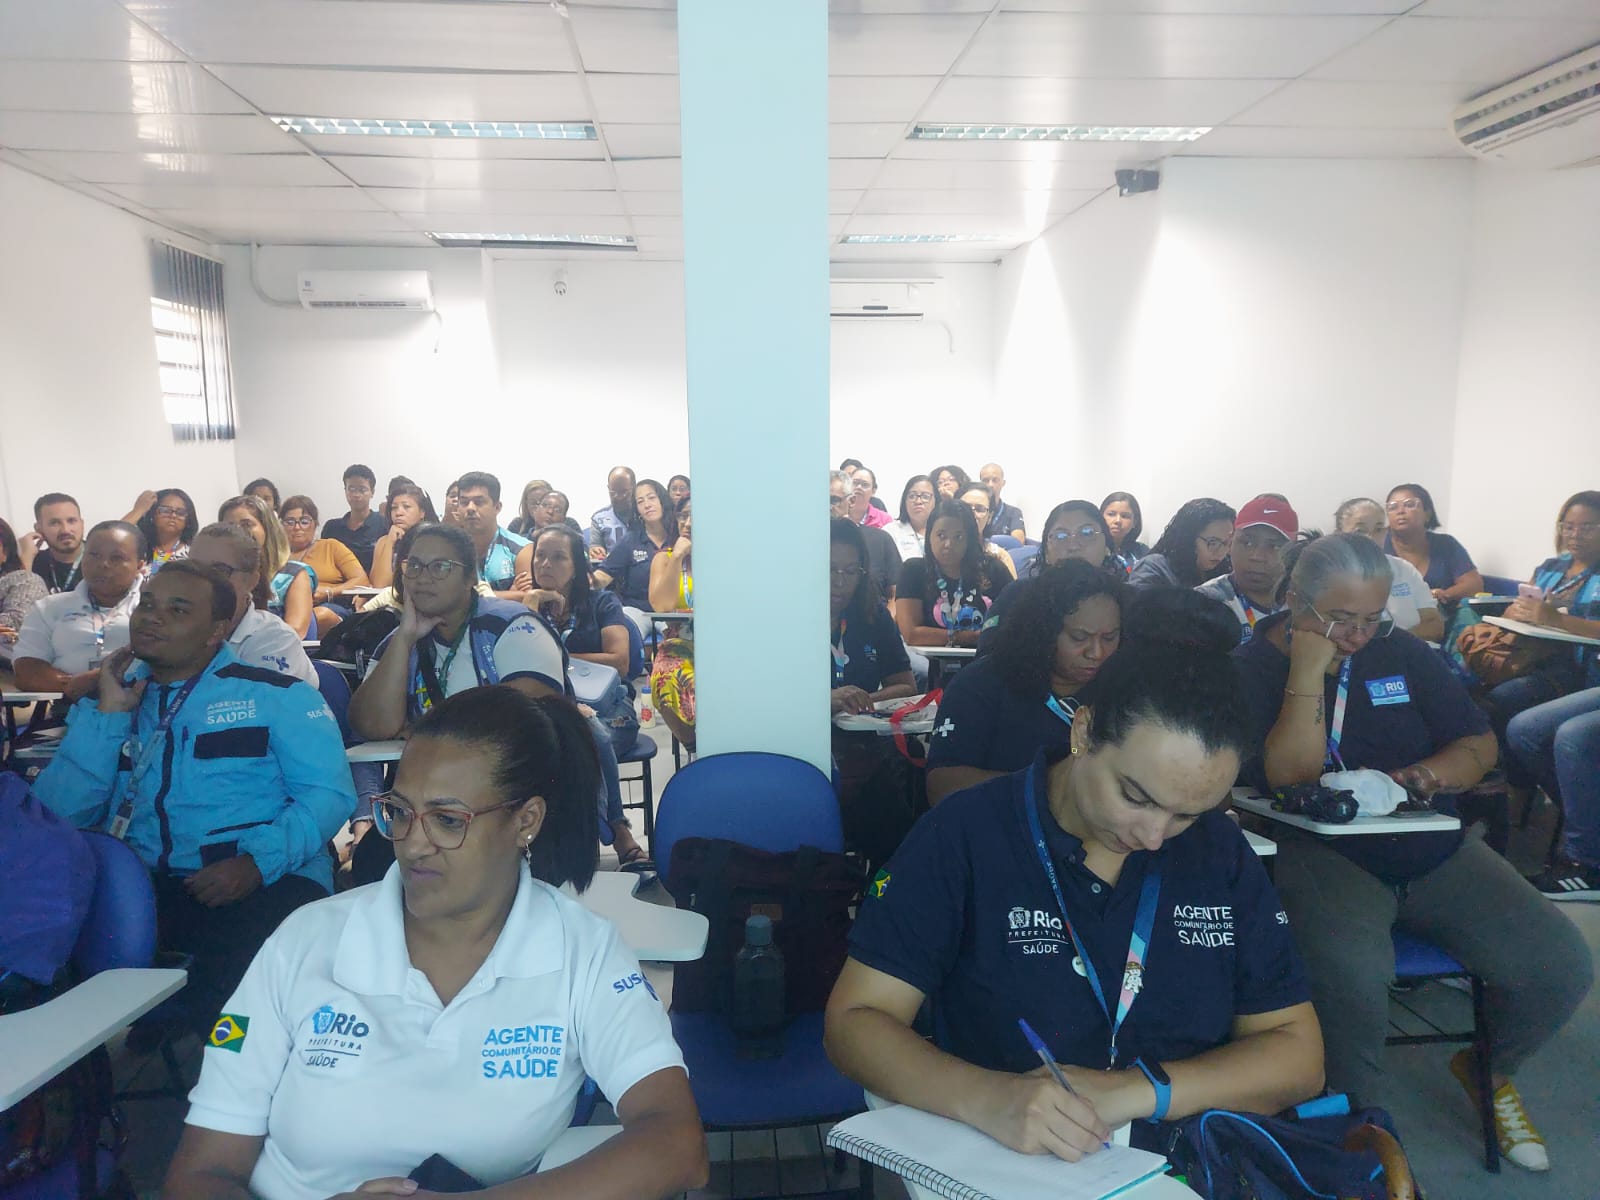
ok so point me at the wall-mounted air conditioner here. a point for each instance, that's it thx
(404, 291)
(876, 300)
(1549, 118)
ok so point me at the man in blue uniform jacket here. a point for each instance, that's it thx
(228, 780)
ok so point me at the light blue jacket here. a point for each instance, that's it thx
(253, 764)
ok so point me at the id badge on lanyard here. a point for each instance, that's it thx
(143, 755)
(1336, 732)
(840, 658)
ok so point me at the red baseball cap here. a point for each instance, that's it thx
(1272, 512)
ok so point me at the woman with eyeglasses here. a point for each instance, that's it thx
(1443, 562)
(1124, 523)
(334, 565)
(998, 713)
(626, 569)
(289, 584)
(1332, 687)
(948, 480)
(1411, 601)
(169, 522)
(443, 1021)
(1073, 532)
(944, 595)
(980, 500)
(910, 531)
(533, 494)
(1193, 547)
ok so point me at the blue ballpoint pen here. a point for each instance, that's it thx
(1048, 1059)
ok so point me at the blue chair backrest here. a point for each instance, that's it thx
(1022, 556)
(1005, 541)
(635, 650)
(336, 691)
(767, 801)
(1501, 585)
(120, 930)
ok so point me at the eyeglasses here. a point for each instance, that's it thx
(919, 497)
(166, 510)
(357, 489)
(978, 508)
(1083, 533)
(847, 572)
(1410, 505)
(1583, 530)
(438, 569)
(299, 522)
(1215, 544)
(1381, 626)
(445, 828)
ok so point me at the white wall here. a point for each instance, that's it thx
(1528, 416)
(80, 399)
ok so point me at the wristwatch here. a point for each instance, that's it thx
(1163, 1085)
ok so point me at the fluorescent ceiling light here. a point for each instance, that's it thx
(922, 239)
(537, 241)
(546, 130)
(1059, 133)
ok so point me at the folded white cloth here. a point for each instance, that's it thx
(1376, 794)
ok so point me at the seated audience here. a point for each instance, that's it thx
(452, 505)
(57, 544)
(20, 590)
(489, 817)
(607, 526)
(626, 570)
(169, 521)
(949, 480)
(409, 507)
(360, 529)
(863, 491)
(290, 584)
(257, 637)
(911, 530)
(1125, 523)
(533, 494)
(1073, 532)
(553, 511)
(997, 714)
(1006, 518)
(1193, 547)
(396, 482)
(944, 596)
(65, 638)
(1557, 744)
(496, 550)
(265, 489)
(1265, 530)
(883, 556)
(1006, 896)
(334, 566)
(227, 780)
(678, 489)
(1441, 560)
(672, 672)
(1411, 602)
(1330, 688)
(976, 497)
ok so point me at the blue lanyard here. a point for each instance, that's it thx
(1066, 711)
(143, 755)
(1138, 944)
(840, 658)
(1340, 703)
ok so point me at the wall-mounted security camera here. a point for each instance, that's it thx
(1132, 181)
(560, 282)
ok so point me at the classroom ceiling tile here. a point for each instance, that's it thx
(1123, 46)
(1521, 10)
(529, 202)
(414, 95)
(1103, 154)
(869, 98)
(73, 29)
(1460, 50)
(995, 100)
(853, 172)
(363, 33)
(865, 140)
(1327, 103)
(619, 39)
(671, 227)
(655, 204)
(650, 174)
(276, 225)
(923, 44)
(460, 149)
(1036, 174)
(660, 248)
(224, 198)
(634, 99)
(519, 222)
(1004, 230)
(642, 141)
(1269, 142)
(137, 87)
(142, 132)
(262, 170)
(375, 171)
(1285, 8)
(1012, 207)
(915, 257)
(911, 7)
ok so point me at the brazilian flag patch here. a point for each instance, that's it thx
(228, 1033)
(880, 884)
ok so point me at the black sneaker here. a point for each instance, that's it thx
(1569, 881)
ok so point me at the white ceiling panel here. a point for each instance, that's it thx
(98, 29)
(926, 44)
(655, 204)
(618, 39)
(1451, 50)
(517, 221)
(634, 99)
(975, 224)
(1103, 154)
(1283, 8)
(1039, 174)
(1522, 10)
(1336, 104)
(853, 172)
(1014, 208)
(1106, 46)
(268, 170)
(1263, 141)
(137, 87)
(844, 201)
(377, 171)
(898, 256)
(276, 224)
(529, 202)
(670, 249)
(670, 227)
(861, 98)
(444, 149)
(911, 7)
(222, 198)
(144, 132)
(864, 140)
(642, 141)
(363, 33)
(836, 225)
(992, 99)
(415, 95)
(650, 174)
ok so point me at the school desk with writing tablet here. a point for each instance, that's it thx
(654, 932)
(1490, 604)
(877, 721)
(1261, 806)
(388, 750)
(1544, 632)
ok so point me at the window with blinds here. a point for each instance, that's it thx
(191, 332)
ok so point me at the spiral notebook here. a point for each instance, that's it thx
(954, 1160)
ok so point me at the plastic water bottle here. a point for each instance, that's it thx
(758, 992)
(647, 712)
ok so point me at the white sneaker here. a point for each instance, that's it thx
(1519, 1140)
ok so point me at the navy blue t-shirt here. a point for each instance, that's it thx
(983, 723)
(1404, 706)
(1448, 559)
(964, 913)
(580, 629)
(873, 651)
(628, 564)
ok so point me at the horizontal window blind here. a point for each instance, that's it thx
(191, 332)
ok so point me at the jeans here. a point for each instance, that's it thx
(610, 780)
(1558, 745)
(1553, 680)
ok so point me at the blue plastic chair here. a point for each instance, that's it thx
(1022, 556)
(120, 929)
(1005, 541)
(335, 690)
(643, 751)
(775, 803)
(1501, 585)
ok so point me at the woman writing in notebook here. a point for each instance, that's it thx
(1104, 899)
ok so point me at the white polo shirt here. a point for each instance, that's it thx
(338, 1051)
(71, 632)
(264, 640)
(1409, 594)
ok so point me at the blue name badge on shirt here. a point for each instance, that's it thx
(1391, 689)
